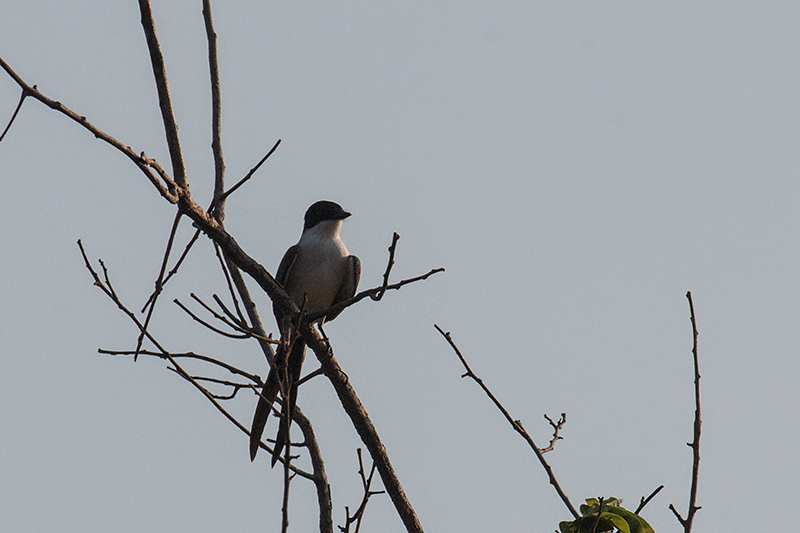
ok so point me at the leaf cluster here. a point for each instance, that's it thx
(604, 516)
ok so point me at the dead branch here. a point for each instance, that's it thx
(176, 190)
(164, 99)
(516, 424)
(363, 426)
(695, 444)
(375, 293)
(188, 355)
(145, 164)
(318, 468)
(216, 109)
(233, 385)
(556, 430)
(366, 483)
(209, 326)
(108, 289)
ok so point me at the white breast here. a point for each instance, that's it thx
(319, 269)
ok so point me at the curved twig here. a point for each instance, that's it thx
(22, 97)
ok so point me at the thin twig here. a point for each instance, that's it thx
(22, 97)
(174, 268)
(644, 501)
(516, 424)
(209, 326)
(240, 319)
(249, 175)
(160, 280)
(227, 383)
(389, 265)
(252, 312)
(287, 479)
(222, 318)
(309, 376)
(188, 355)
(372, 293)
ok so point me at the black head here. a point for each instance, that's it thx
(323, 210)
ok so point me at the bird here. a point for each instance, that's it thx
(316, 273)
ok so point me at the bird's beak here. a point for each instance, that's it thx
(343, 215)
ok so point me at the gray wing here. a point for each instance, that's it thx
(286, 265)
(349, 284)
(284, 269)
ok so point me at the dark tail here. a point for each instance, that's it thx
(295, 365)
(263, 409)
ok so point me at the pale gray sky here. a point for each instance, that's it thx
(575, 166)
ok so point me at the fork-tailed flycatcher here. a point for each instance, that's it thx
(317, 272)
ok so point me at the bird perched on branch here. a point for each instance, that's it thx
(317, 272)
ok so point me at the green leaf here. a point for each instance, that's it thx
(613, 516)
(637, 523)
(586, 524)
(568, 527)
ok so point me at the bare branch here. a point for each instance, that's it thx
(366, 483)
(363, 425)
(556, 429)
(164, 354)
(222, 318)
(188, 355)
(109, 291)
(695, 444)
(516, 424)
(236, 387)
(216, 109)
(164, 100)
(287, 479)
(375, 293)
(320, 477)
(145, 164)
(389, 265)
(238, 320)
